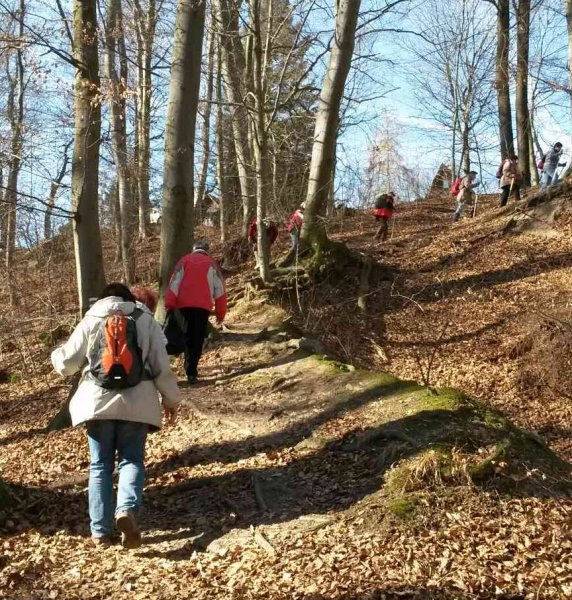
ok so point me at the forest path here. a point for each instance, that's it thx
(281, 478)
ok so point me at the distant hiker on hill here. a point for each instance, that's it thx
(295, 225)
(121, 353)
(509, 181)
(271, 234)
(384, 207)
(550, 162)
(465, 193)
(195, 286)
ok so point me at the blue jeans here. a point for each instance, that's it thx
(106, 438)
(294, 236)
(548, 179)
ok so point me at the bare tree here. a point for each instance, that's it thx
(15, 113)
(325, 134)
(225, 20)
(85, 164)
(178, 184)
(502, 77)
(221, 151)
(54, 187)
(117, 87)
(206, 120)
(454, 86)
(522, 8)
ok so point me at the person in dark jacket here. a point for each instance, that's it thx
(384, 207)
(195, 286)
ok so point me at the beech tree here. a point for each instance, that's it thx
(116, 82)
(521, 96)
(225, 20)
(178, 171)
(15, 112)
(85, 164)
(325, 133)
(502, 77)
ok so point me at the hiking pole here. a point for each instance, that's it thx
(475, 206)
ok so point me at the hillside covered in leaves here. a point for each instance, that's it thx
(415, 448)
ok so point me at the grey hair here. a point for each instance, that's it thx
(201, 245)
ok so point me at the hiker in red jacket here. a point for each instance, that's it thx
(295, 225)
(271, 234)
(384, 207)
(196, 284)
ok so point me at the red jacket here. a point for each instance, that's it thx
(271, 231)
(296, 220)
(197, 282)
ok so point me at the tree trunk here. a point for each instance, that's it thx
(145, 26)
(568, 13)
(221, 154)
(233, 63)
(117, 82)
(85, 164)
(502, 79)
(206, 124)
(258, 121)
(15, 111)
(177, 219)
(114, 209)
(54, 187)
(323, 150)
(522, 118)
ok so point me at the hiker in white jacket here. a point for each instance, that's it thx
(118, 420)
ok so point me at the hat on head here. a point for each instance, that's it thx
(201, 245)
(473, 172)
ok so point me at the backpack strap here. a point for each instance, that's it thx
(137, 312)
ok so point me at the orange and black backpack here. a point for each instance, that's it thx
(115, 359)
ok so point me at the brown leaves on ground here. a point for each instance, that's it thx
(237, 507)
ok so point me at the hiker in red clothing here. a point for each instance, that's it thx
(271, 234)
(295, 225)
(196, 284)
(384, 206)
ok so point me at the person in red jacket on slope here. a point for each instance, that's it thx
(295, 225)
(384, 207)
(195, 286)
(271, 234)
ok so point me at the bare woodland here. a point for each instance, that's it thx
(132, 128)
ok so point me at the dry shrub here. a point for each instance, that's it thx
(546, 355)
(434, 467)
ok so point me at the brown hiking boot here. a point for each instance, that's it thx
(101, 541)
(130, 534)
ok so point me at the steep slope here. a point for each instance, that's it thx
(293, 476)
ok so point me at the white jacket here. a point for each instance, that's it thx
(139, 403)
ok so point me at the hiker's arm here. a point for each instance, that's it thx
(158, 362)
(174, 286)
(70, 358)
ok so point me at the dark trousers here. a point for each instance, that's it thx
(506, 192)
(381, 233)
(197, 320)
